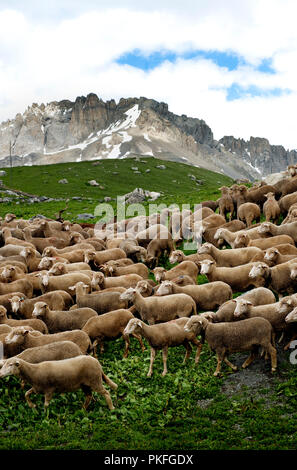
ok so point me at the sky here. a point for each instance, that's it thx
(231, 63)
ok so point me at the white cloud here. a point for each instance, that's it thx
(63, 55)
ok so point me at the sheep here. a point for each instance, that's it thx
(102, 302)
(120, 262)
(257, 296)
(211, 204)
(290, 320)
(10, 274)
(274, 230)
(238, 277)
(163, 336)
(58, 269)
(112, 269)
(48, 262)
(132, 249)
(9, 240)
(178, 256)
(36, 324)
(32, 258)
(279, 278)
(101, 257)
(243, 240)
(185, 267)
(58, 321)
(226, 203)
(145, 288)
(49, 352)
(274, 313)
(67, 375)
(271, 208)
(63, 282)
(109, 326)
(228, 236)
(209, 233)
(207, 296)
(229, 258)
(226, 338)
(127, 280)
(257, 195)
(184, 280)
(287, 201)
(248, 212)
(56, 300)
(24, 339)
(272, 257)
(11, 250)
(159, 309)
(41, 243)
(20, 266)
(49, 231)
(291, 216)
(158, 231)
(287, 186)
(73, 256)
(156, 248)
(21, 285)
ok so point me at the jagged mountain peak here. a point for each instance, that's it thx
(90, 128)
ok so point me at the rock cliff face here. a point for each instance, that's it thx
(91, 129)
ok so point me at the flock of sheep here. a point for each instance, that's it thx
(67, 288)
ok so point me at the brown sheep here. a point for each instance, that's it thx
(225, 338)
(67, 375)
(36, 324)
(58, 321)
(248, 212)
(110, 326)
(271, 208)
(226, 203)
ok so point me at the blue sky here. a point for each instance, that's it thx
(230, 63)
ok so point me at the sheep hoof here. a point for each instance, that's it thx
(273, 370)
(163, 374)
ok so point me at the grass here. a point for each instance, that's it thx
(187, 409)
(174, 183)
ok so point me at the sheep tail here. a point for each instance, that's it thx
(109, 382)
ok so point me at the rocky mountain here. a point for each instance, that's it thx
(91, 129)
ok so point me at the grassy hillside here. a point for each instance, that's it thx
(116, 176)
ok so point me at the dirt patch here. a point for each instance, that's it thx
(256, 381)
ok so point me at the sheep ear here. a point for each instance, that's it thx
(200, 321)
(71, 288)
(138, 323)
(289, 301)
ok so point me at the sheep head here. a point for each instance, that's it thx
(15, 302)
(242, 307)
(242, 240)
(159, 274)
(205, 249)
(165, 288)
(259, 270)
(271, 254)
(133, 325)
(176, 257)
(3, 312)
(143, 287)
(89, 256)
(17, 335)
(129, 294)
(196, 324)
(206, 266)
(10, 367)
(292, 317)
(57, 269)
(40, 309)
(286, 304)
(264, 228)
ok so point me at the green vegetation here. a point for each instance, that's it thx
(189, 408)
(175, 184)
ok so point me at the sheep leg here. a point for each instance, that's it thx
(281, 337)
(273, 356)
(220, 356)
(102, 390)
(233, 367)
(199, 349)
(139, 338)
(127, 344)
(27, 394)
(188, 351)
(249, 360)
(153, 355)
(88, 395)
(47, 398)
(164, 356)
